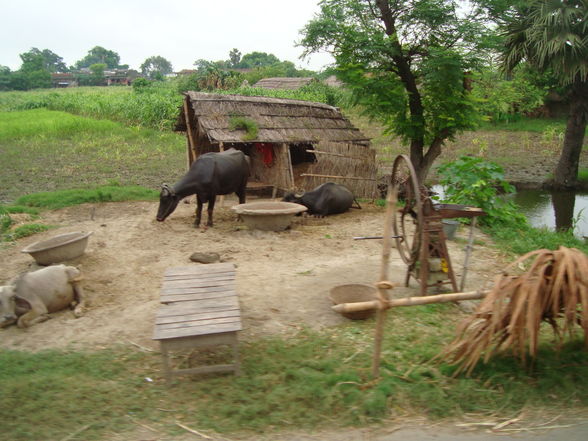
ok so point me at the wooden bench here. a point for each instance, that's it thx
(200, 308)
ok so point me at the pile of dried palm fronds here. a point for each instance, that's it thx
(552, 287)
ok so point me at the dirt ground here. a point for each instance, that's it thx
(283, 278)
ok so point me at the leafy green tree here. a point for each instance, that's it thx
(156, 68)
(5, 75)
(405, 63)
(33, 72)
(258, 59)
(235, 57)
(98, 55)
(42, 59)
(97, 76)
(552, 35)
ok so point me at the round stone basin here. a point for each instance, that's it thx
(58, 248)
(268, 216)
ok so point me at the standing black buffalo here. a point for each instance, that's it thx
(210, 175)
(329, 198)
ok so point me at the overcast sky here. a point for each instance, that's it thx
(182, 31)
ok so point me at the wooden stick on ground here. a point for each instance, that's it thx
(384, 285)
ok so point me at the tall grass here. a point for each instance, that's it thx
(157, 110)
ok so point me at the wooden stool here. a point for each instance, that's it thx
(200, 308)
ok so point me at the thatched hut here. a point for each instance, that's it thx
(293, 145)
(288, 83)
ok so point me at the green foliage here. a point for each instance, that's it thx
(501, 100)
(24, 231)
(521, 239)
(156, 68)
(243, 123)
(99, 55)
(157, 110)
(402, 64)
(475, 182)
(107, 193)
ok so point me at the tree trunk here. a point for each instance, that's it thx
(566, 172)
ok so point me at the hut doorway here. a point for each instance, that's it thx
(302, 158)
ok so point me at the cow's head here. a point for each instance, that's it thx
(168, 201)
(292, 197)
(7, 305)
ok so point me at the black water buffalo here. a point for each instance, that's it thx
(210, 175)
(326, 199)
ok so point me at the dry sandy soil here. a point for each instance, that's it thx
(283, 279)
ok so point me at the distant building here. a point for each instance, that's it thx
(63, 79)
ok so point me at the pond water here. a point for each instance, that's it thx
(550, 209)
(555, 209)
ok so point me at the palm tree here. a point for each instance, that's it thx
(552, 35)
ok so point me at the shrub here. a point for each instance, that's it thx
(479, 183)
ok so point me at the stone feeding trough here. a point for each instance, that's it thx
(268, 216)
(59, 248)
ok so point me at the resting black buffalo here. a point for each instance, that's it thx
(210, 175)
(326, 199)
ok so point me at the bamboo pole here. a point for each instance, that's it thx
(409, 301)
(469, 248)
(384, 284)
(338, 177)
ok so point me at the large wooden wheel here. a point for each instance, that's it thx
(407, 226)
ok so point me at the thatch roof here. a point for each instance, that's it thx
(277, 120)
(283, 83)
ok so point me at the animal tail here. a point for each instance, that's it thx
(357, 203)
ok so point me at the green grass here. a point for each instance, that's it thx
(44, 150)
(297, 382)
(522, 240)
(540, 125)
(65, 198)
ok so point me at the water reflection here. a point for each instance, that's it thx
(551, 209)
(555, 210)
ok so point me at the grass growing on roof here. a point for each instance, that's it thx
(298, 382)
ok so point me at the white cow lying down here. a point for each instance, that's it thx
(29, 298)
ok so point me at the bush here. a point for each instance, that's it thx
(475, 182)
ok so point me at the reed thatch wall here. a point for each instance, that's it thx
(343, 163)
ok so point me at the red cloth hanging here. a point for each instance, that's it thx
(267, 152)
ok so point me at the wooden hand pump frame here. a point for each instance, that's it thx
(427, 239)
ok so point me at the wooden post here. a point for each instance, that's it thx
(469, 248)
(192, 151)
(384, 284)
(290, 170)
(221, 148)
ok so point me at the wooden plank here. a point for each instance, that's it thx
(201, 326)
(197, 284)
(183, 298)
(200, 305)
(200, 269)
(188, 290)
(176, 318)
(162, 334)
